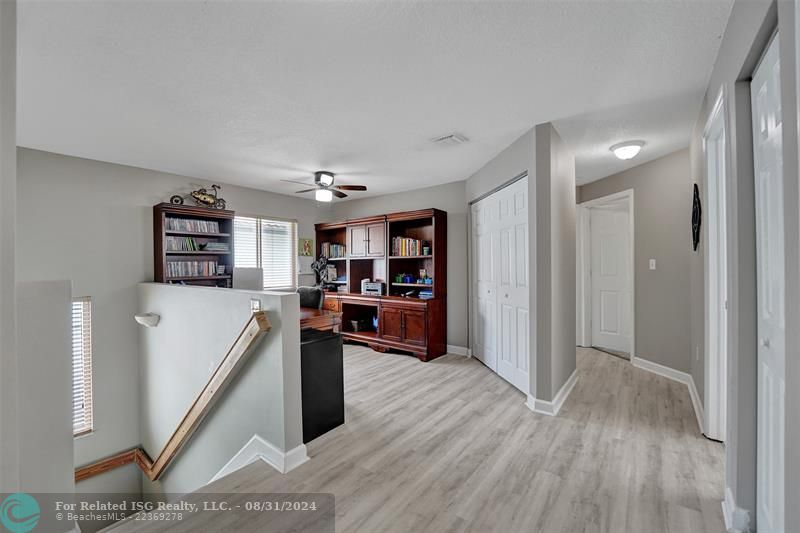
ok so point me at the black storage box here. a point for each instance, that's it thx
(322, 378)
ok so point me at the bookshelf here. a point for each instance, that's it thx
(412, 312)
(193, 245)
(417, 246)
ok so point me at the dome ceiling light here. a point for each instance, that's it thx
(627, 150)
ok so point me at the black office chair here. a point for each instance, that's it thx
(311, 297)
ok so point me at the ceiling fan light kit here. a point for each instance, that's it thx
(324, 190)
(323, 177)
(323, 195)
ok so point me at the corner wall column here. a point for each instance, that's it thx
(9, 445)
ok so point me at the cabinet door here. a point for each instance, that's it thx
(391, 323)
(376, 239)
(331, 304)
(357, 241)
(414, 327)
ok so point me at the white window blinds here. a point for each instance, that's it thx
(269, 245)
(81, 366)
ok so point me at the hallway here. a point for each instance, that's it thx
(450, 446)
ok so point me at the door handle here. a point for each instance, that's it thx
(506, 295)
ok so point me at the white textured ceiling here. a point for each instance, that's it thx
(252, 92)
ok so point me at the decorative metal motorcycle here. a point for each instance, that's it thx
(202, 197)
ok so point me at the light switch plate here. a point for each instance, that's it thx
(255, 305)
(652, 264)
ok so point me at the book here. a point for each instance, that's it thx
(404, 247)
(185, 269)
(195, 226)
(333, 250)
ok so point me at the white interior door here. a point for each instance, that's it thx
(484, 293)
(768, 162)
(610, 278)
(512, 284)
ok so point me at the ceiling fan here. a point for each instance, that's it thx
(324, 189)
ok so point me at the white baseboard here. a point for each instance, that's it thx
(259, 449)
(697, 404)
(551, 408)
(459, 350)
(737, 520)
(294, 458)
(680, 377)
(661, 370)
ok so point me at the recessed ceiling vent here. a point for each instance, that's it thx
(451, 139)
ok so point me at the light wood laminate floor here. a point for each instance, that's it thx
(448, 446)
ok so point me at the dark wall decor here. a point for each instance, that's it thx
(697, 217)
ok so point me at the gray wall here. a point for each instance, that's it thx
(45, 402)
(9, 443)
(550, 166)
(662, 214)
(175, 365)
(555, 252)
(517, 159)
(91, 222)
(790, 86)
(451, 198)
(749, 28)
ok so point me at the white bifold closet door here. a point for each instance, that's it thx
(501, 308)
(765, 92)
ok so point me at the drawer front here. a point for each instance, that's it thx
(331, 304)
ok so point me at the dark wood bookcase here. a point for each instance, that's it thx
(167, 237)
(405, 322)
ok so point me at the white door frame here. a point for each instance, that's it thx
(715, 266)
(584, 256)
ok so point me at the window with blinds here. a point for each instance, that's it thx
(269, 245)
(81, 366)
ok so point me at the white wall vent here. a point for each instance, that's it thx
(451, 139)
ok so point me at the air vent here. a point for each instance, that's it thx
(451, 139)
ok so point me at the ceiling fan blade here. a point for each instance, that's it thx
(305, 190)
(309, 183)
(351, 187)
(338, 194)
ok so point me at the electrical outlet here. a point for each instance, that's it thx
(255, 305)
(652, 264)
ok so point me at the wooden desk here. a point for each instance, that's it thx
(322, 319)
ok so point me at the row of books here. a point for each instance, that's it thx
(402, 246)
(332, 250)
(190, 244)
(217, 247)
(188, 224)
(182, 269)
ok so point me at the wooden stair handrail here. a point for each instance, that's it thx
(256, 326)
